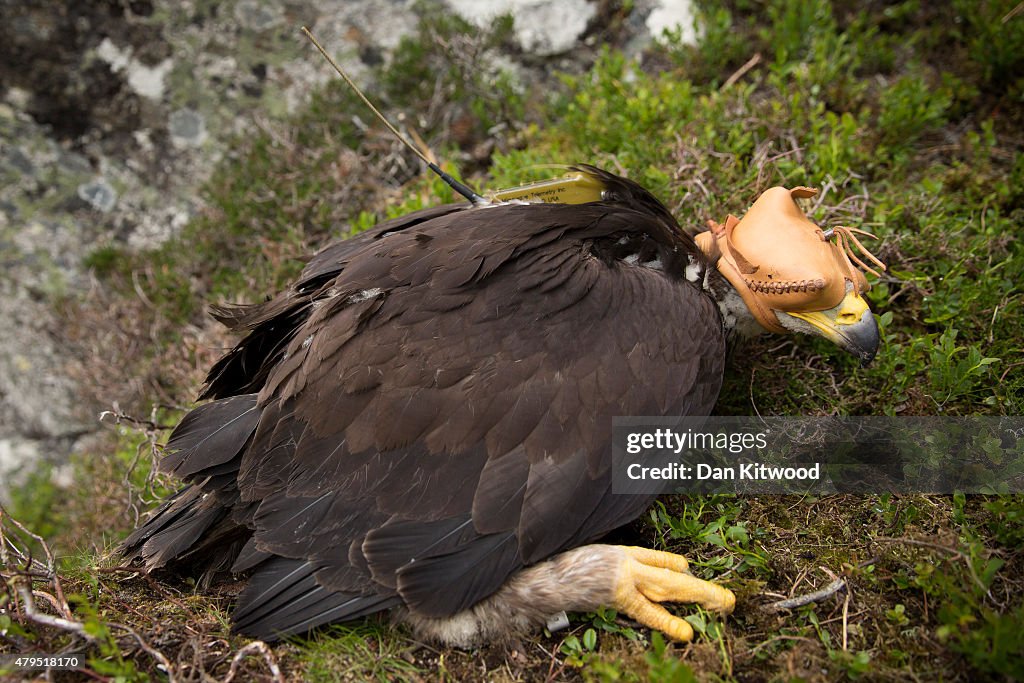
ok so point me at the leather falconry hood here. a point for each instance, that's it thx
(779, 260)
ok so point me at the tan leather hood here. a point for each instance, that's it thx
(778, 260)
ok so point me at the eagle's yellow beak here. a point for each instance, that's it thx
(850, 325)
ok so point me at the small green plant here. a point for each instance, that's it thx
(711, 520)
(663, 667)
(578, 650)
(897, 615)
(794, 26)
(857, 665)
(37, 500)
(108, 659)
(1006, 521)
(909, 108)
(605, 620)
(957, 369)
(451, 59)
(995, 38)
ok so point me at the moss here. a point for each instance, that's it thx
(107, 260)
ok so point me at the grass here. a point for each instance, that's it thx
(370, 651)
(910, 124)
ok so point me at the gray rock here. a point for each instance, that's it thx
(19, 162)
(258, 15)
(74, 163)
(187, 128)
(98, 194)
(37, 399)
(8, 212)
(18, 457)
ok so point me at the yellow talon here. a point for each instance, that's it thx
(648, 577)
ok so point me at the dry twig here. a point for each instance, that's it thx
(740, 72)
(808, 598)
(20, 580)
(256, 646)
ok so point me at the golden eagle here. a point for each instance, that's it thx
(423, 420)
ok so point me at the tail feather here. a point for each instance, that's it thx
(284, 598)
(192, 526)
(205, 448)
(211, 436)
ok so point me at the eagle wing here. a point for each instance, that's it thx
(429, 409)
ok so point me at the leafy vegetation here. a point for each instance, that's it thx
(909, 123)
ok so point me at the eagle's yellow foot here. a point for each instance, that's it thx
(647, 577)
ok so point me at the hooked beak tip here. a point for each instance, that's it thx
(862, 338)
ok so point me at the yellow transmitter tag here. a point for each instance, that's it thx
(572, 188)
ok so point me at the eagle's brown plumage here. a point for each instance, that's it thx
(428, 409)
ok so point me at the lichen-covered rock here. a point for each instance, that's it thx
(543, 27)
(113, 114)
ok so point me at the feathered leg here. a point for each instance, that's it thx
(632, 580)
